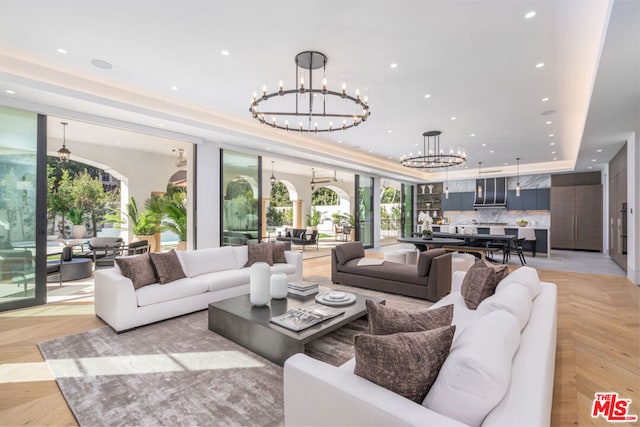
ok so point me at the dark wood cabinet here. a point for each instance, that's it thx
(576, 217)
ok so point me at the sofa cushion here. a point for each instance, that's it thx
(348, 251)
(514, 298)
(480, 282)
(208, 260)
(525, 276)
(425, 258)
(138, 269)
(462, 316)
(167, 266)
(406, 363)
(385, 320)
(283, 268)
(242, 255)
(259, 252)
(181, 288)
(387, 270)
(476, 374)
(103, 242)
(278, 249)
(225, 279)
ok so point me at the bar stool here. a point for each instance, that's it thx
(502, 245)
(529, 235)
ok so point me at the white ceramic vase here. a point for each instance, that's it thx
(279, 285)
(259, 284)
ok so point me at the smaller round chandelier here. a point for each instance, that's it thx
(306, 108)
(432, 156)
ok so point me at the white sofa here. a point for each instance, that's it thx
(213, 274)
(339, 397)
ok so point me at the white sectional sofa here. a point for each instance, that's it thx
(213, 274)
(339, 397)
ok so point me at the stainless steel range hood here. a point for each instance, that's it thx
(493, 195)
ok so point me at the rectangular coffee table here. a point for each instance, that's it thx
(249, 326)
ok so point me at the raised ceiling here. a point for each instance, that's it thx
(476, 61)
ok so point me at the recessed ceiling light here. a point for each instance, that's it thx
(553, 152)
(540, 65)
(101, 64)
(428, 95)
(530, 14)
(10, 92)
(389, 131)
(594, 160)
(370, 151)
(484, 145)
(555, 158)
(473, 134)
(550, 135)
(339, 141)
(545, 99)
(590, 167)
(552, 143)
(491, 151)
(62, 51)
(394, 65)
(599, 150)
(453, 118)
(549, 122)
(505, 163)
(174, 87)
(160, 125)
(225, 52)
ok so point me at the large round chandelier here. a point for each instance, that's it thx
(432, 156)
(306, 108)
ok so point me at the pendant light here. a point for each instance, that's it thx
(479, 189)
(446, 183)
(272, 180)
(517, 176)
(63, 152)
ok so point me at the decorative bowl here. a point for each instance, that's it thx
(522, 223)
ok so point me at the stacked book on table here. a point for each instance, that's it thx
(303, 288)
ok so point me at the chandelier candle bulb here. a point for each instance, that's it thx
(281, 88)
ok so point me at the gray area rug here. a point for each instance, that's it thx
(177, 372)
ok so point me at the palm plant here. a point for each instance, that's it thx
(175, 211)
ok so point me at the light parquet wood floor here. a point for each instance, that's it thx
(598, 349)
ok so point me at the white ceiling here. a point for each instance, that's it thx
(476, 59)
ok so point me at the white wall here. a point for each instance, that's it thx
(207, 200)
(633, 207)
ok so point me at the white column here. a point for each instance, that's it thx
(633, 208)
(207, 199)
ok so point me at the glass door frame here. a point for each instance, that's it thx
(407, 229)
(362, 222)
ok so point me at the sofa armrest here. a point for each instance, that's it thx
(439, 281)
(295, 259)
(115, 299)
(342, 398)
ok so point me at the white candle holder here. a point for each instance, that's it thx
(259, 284)
(279, 285)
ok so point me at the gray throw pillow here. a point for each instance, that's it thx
(406, 363)
(426, 258)
(167, 266)
(480, 282)
(385, 320)
(348, 251)
(259, 252)
(278, 256)
(138, 268)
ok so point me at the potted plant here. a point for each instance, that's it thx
(78, 229)
(175, 211)
(427, 234)
(143, 224)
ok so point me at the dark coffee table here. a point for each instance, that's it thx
(249, 326)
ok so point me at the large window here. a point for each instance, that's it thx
(364, 210)
(240, 195)
(18, 203)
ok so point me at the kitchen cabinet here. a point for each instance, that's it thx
(576, 217)
(530, 199)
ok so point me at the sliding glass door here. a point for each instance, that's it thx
(22, 209)
(364, 210)
(240, 194)
(407, 216)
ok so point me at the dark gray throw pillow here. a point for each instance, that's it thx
(385, 320)
(406, 363)
(278, 249)
(167, 266)
(138, 268)
(259, 252)
(480, 282)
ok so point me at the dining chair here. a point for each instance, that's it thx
(497, 230)
(529, 235)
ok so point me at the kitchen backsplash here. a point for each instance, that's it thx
(486, 215)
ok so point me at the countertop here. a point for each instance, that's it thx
(535, 227)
